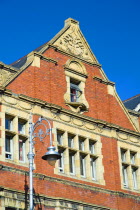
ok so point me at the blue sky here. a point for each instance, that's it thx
(111, 27)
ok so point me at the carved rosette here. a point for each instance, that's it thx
(72, 42)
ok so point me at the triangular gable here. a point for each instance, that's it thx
(71, 40)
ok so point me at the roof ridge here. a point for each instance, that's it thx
(131, 98)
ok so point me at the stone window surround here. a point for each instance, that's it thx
(15, 137)
(129, 166)
(98, 156)
(76, 74)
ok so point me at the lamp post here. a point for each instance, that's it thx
(51, 156)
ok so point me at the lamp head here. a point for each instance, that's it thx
(51, 156)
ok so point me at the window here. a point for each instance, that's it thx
(21, 150)
(77, 159)
(61, 161)
(70, 140)
(81, 144)
(92, 147)
(125, 176)
(134, 177)
(82, 165)
(71, 162)
(21, 127)
(93, 168)
(132, 157)
(15, 138)
(60, 137)
(75, 91)
(123, 155)
(76, 78)
(8, 122)
(129, 168)
(8, 147)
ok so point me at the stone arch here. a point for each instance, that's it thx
(76, 66)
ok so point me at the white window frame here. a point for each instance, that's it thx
(132, 157)
(134, 178)
(23, 148)
(93, 168)
(72, 161)
(61, 138)
(10, 123)
(81, 145)
(11, 147)
(92, 147)
(61, 162)
(123, 155)
(83, 165)
(125, 175)
(74, 85)
(23, 127)
(71, 142)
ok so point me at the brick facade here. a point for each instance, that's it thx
(39, 87)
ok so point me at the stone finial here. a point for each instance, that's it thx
(71, 21)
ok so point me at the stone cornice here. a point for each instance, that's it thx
(87, 186)
(103, 81)
(73, 56)
(8, 67)
(45, 58)
(75, 72)
(132, 112)
(58, 109)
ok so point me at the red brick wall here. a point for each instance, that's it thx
(48, 83)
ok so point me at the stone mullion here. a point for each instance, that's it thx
(15, 140)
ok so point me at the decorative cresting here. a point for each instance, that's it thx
(72, 41)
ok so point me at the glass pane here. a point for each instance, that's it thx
(8, 144)
(70, 141)
(61, 161)
(21, 150)
(125, 178)
(8, 124)
(134, 176)
(132, 157)
(123, 155)
(59, 138)
(73, 95)
(82, 165)
(71, 163)
(21, 128)
(81, 145)
(93, 168)
(92, 147)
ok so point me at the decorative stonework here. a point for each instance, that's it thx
(5, 76)
(67, 116)
(73, 42)
(15, 102)
(76, 66)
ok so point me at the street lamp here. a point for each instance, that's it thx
(51, 156)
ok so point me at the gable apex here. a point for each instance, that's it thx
(70, 21)
(70, 40)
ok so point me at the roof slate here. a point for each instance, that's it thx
(132, 103)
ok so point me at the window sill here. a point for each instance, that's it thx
(78, 106)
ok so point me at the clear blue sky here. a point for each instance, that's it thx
(111, 27)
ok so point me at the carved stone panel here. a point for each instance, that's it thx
(4, 76)
(72, 42)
